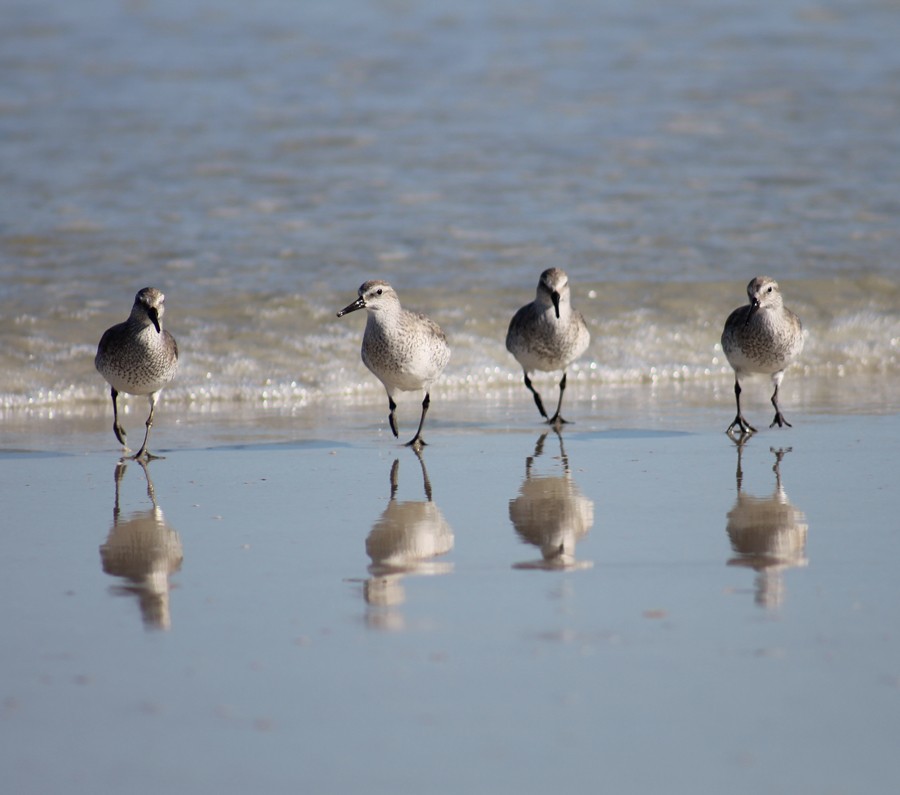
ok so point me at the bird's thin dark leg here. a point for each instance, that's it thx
(739, 420)
(537, 397)
(143, 452)
(392, 421)
(118, 430)
(779, 420)
(417, 441)
(557, 420)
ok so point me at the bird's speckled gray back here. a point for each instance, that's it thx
(765, 339)
(133, 356)
(405, 350)
(537, 338)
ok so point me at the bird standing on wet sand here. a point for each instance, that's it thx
(762, 337)
(138, 357)
(406, 351)
(548, 334)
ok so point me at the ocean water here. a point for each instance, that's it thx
(727, 620)
(258, 161)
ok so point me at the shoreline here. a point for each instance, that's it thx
(679, 406)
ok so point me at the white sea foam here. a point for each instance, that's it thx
(283, 357)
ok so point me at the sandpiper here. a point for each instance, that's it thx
(406, 351)
(762, 337)
(548, 335)
(138, 357)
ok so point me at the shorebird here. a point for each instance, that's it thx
(138, 357)
(762, 337)
(406, 351)
(548, 335)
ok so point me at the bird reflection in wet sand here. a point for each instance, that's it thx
(551, 513)
(405, 540)
(768, 534)
(143, 549)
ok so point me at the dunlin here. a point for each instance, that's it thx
(548, 335)
(138, 357)
(406, 351)
(762, 337)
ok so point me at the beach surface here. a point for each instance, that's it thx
(290, 600)
(293, 601)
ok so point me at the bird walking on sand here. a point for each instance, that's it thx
(138, 357)
(548, 335)
(406, 351)
(762, 337)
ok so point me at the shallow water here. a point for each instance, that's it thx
(258, 161)
(316, 616)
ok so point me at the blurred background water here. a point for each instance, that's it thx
(258, 161)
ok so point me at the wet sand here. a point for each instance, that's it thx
(290, 601)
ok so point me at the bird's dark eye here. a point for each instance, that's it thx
(769, 290)
(378, 291)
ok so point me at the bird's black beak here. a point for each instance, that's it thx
(554, 296)
(754, 307)
(359, 303)
(153, 313)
